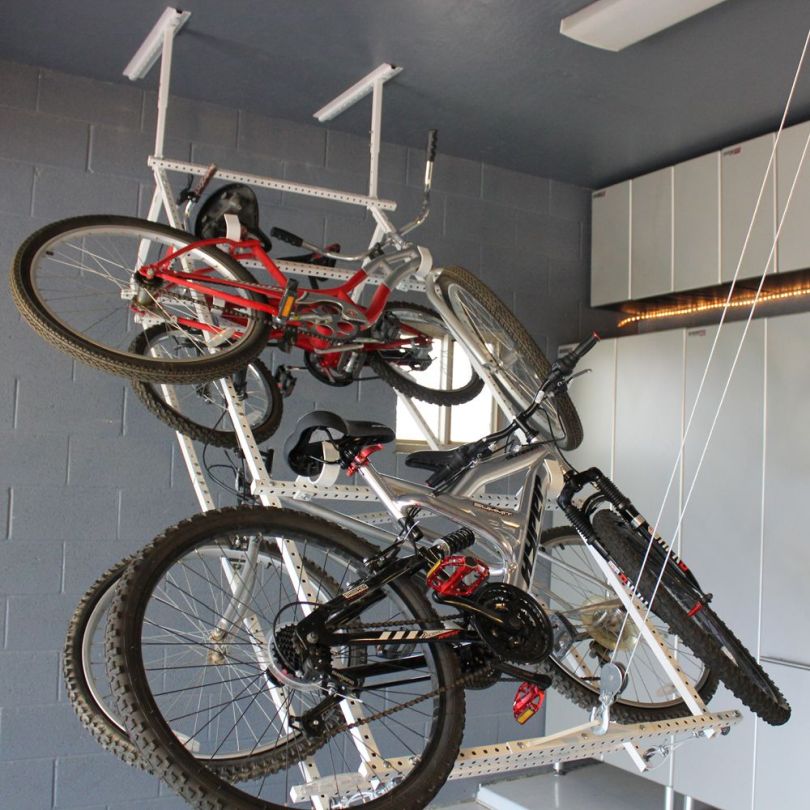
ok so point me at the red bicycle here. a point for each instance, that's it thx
(163, 306)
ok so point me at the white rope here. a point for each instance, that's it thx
(679, 457)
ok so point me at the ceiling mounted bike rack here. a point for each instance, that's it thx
(592, 738)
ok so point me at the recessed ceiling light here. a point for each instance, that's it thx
(615, 24)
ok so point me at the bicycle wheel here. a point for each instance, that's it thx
(710, 639)
(516, 364)
(88, 686)
(200, 649)
(572, 586)
(77, 284)
(84, 669)
(201, 410)
(438, 372)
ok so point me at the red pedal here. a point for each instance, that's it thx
(528, 701)
(450, 576)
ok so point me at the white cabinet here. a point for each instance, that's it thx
(780, 777)
(651, 235)
(649, 402)
(696, 223)
(721, 532)
(743, 168)
(785, 548)
(594, 397)
(610, 245)
(794, 246)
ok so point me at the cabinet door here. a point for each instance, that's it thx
(651, 235)
(794, 246)
(649, 401)
(780, 775)
(610, 245)
(785, 548)
(743, 168)
(594, 395)
(696, 223)
(721, 532)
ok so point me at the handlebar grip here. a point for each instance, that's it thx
(433, 136)
(203, 182)
(568, 362)
(583, 348)
(286, 236)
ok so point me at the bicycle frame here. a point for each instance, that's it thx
(391, 268)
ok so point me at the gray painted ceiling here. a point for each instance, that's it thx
(494, 76)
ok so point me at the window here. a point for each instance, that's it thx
(456, 425)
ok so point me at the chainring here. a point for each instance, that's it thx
(525, 637)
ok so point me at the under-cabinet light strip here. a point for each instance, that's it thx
(689, 309)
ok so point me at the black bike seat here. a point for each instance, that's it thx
(305, 457)
(233, 198)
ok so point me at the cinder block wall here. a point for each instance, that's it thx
(87, 476)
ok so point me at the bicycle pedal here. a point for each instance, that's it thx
(286, 303)
(457, 575)
(528, 701)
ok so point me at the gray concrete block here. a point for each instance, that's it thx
(41, 138)
(65, 513)
(90, 100)
(550, 236)
(143, 515)
(26, 784)
(332, 179)
(568, 281)
(231, 159)
(18, 85)
(30, 568)
(349, 153)
(26, 724)
(17, 187)
(191, 120)
(36, 622)
(451, 174)
(38, 459)
(29, 678)
(447, 252)
(85, 561)
(59, 191)
(123, 151)
(118, 462)
(479, 221)
(353, 235)
(570, 202)
(281, 139)
(8, 402)
(96, 408)
(168, 802)
(289, 215)
(515, 189)
(32, 356)
(409, 203)
(102, 777)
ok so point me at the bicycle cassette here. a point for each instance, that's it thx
(525, 636)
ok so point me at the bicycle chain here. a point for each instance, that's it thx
(333, 731)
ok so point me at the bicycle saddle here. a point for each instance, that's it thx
(233, 198)
(305, 457)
